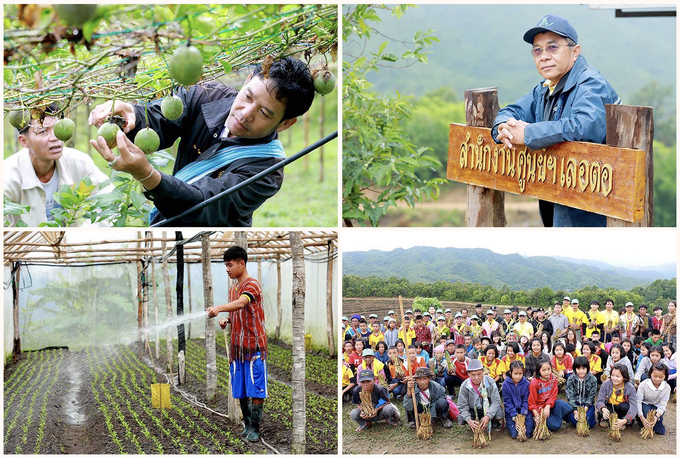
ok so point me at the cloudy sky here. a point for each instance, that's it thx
(619, 247)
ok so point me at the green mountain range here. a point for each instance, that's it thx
(479, 265)
(481, 45)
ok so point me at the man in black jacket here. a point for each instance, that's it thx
(215, 117)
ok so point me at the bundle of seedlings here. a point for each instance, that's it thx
(614, 432)
(479, 439)
(366, 405)
(647, 432)
(520, 425)
(582, 428)
(561, 381)
(541, 432)
(398, 367)
(424, 431)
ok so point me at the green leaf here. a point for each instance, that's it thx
(389, 57)
(226, 66)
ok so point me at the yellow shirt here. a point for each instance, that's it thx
(493, 367)
(410, 335)
(504, 366)
(377, 366)
(595, 364)
(599, 320)
(373, 340)
(614, 399)
(612, 316)
(577, 317)
(346, 375)
(525, 329)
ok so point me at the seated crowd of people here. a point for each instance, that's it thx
(517, 363)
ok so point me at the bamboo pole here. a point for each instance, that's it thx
(210, 353)
(299, 411)
(189, 293)
(16, 347)
(168, 305)
(279, 308)
(155, 307)
(408, 365)
(329, 301)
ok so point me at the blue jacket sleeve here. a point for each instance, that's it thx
(586, 120)
(525, 400)
(507, 400)
(523, 109)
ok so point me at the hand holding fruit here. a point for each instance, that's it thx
(131, 160)
(99, 114)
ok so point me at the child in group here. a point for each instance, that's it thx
(653, 393)
(420, 351)
(562, 361)
(594, 361)
(359, 350)
(492, 363)
(571, 350)
(628, 351)
(670, 362)
(498, 342)
(644, 352)
(516, 398)
(571, 338)
(547, 343)
(534, 357)
(476, 351)
(543, 396)
(364, 333)
(512, 353)
(439, 365)
(655, 355)
(618, 395)
(350, 356)
(524, 343)
(423, 334)
(401, 349)
(375, 337)
(581, 391)
(467, 341)
(348, 382)
(381, 352)
(392, 333)
(458, 372)
(616, 356)
(396, 371)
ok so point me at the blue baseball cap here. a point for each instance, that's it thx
(552, 23)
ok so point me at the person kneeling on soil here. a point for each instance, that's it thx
(373, 402)
(430, 395)
(478, 400)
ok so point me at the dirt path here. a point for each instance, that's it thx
(381, 439)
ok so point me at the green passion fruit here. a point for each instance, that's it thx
(172, 107)
(109, 132)
(64, 129)
(75, 15)
(147, 140)
(186, 65)
(19, 118)
(324, 81)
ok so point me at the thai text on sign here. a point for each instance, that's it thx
(589, 176)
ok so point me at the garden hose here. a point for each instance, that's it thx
(248, 182)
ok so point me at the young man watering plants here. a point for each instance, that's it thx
(227, 136)
(248, 346)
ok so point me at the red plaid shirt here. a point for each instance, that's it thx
(423, 335)
(248, 331)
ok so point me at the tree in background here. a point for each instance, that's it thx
(379, 160)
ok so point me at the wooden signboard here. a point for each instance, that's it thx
(597, 178)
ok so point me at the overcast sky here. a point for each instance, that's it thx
(619, 247)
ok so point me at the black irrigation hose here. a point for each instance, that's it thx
(248, 182)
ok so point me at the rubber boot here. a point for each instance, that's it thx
(245, 411)
(255, 417)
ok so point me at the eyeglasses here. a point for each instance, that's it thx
(552, 49)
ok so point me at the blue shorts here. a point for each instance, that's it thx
(249, 378)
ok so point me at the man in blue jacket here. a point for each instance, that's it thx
(569, 105)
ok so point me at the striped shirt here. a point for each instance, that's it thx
(248, 331)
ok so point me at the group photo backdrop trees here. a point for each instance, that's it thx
(123, 53)
(91, 304)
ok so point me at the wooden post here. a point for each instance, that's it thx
(633, 127)
(179, 288)
(321, 121)
(139, 285)
(155, 307)
(189, 294)
(16, 347)
(147, 260)
(299, 355)
(168, 302)
(279, 309)
(329, 301)
(259, 271)
(485, 207)
(210, 353)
